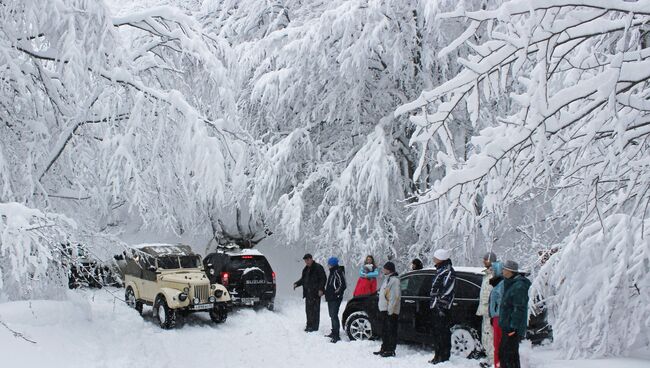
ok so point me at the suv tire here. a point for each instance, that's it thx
(166, 315)
(218, 315)
(464, 342)
(131, 301)
(359, 327)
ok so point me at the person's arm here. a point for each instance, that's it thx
(373, 274)
(394, 296)
(322, 280)
(362, 272)
(299, 282)
(344, 284)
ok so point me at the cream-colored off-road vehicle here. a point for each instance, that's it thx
(170, 278)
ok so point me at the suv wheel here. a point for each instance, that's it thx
(358, 326)
(166, 315)
(464, 342)
(131, 301)
(218, 314)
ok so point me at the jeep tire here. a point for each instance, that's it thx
(218, 314)
(166, 315)
(131, 301)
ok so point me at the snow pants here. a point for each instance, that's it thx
(497, 340)
(442, 335)
(509, 351)
(333, 308)
(312, 309)
(487, 339)
(389, 332)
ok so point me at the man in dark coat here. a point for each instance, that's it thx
(313, 287)
(334, 289)
(513, 314)
(442, 298)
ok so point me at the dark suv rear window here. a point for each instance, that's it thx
(243, 262)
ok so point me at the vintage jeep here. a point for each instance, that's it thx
(170, 278)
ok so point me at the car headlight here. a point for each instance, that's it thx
(213, 286)
(196, 300)
(212, 299)
(211, 271)
(182, 297)
(218, 293)
(186, 289)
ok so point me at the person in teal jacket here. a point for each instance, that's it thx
(513, 314)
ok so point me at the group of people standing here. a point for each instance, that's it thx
(503, 303)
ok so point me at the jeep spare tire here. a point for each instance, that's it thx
(253, 281)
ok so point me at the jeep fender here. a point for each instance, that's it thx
(135, 288)
(171, 296)
(225, 297)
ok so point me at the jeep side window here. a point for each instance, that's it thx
(190, 261)
(168, 262)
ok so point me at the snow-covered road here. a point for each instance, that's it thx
(93, 329)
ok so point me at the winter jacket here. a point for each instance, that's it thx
(513, 314)
(497, 291)
(484, 295)
(390, 295)
(335, 286)
(312, 280)
(442, 288)
(363, 272)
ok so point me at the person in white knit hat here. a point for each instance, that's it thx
(442, 298)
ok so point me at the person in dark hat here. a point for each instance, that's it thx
(416, 264)
(313, 287)
(334, 290)
(389, 307)
(513, 314)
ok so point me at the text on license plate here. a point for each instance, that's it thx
(249, 300)
(202, 306)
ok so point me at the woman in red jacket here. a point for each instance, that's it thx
(367, 283)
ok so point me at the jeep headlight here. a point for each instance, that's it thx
(211, 271)
(218, 293)
(186, 290)
(213, 286)
(212, 299)
(196, 300)
(182, 296)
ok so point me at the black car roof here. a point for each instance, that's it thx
(478, 271)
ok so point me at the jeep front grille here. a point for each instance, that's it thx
(201, 292)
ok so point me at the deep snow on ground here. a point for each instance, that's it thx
(95, 329)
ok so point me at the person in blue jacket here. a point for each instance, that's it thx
(494, 305)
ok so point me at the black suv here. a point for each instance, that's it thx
(246, 273)
(361, 315)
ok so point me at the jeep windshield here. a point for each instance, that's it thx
(177, 262)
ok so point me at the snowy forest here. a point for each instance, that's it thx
(360, 127)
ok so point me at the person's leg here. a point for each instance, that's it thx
(307, 314)
(393, 332)
(385, 333)
(334, 315)
(487, 338)
(316, 313)
(509, 352)
(435, 327)
(497, 340)
(312, 312)
(445, 337)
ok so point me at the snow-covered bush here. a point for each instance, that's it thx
(29, 264)
(597, 287)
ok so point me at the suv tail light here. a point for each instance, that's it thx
(247, 257)
(273, 275)
(225, 278)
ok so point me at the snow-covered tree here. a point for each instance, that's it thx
(575, 142)
(103, 115)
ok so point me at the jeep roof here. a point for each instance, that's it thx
(160, 249)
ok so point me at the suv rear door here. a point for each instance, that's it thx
(251, 276)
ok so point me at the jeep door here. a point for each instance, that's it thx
(147, 283)
(414, 314)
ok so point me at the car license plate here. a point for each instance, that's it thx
(202, 306)
(249, 301)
